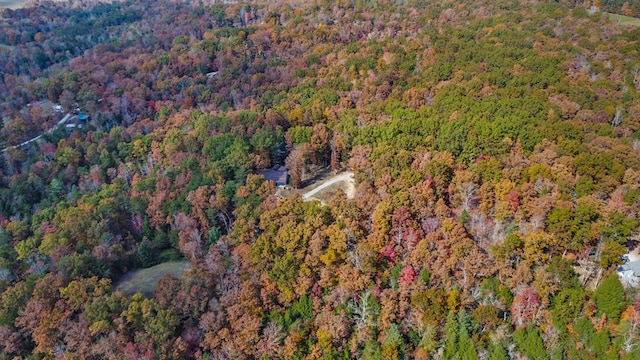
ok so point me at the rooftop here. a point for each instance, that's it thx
(632, 265)
(277, 174)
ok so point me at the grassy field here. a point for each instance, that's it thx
(12, 4)
(620, 19)
(329, 192)
(146, 280)
(325, 188)
(624, 20)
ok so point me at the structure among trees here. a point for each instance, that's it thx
(278, 174)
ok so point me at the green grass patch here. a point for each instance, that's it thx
(624, 20)
(12, 4)
(146, 280)
(15, 4)
(620, 19)
(5, 47)
(325, 195)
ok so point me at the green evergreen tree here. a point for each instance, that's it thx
(610, 298)
(213, 236)
(497, 352)
(557, 352)
(55, 190)
(451, 334)
(392, 343)
(458, 331)
(601, 342)
(466, 348)
(584, 327)
(530, 343)
(144, 255)
(568, 305)
(372, 351)
(632, 355)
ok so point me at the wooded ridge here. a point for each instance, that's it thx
(495, 148)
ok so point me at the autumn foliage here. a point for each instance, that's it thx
(493, 144)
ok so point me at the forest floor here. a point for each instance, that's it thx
(324, 189)
(146, 280)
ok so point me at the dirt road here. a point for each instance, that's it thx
(346, 176)
(61, 122)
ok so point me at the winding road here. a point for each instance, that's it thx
(59, 123)
(347, 176)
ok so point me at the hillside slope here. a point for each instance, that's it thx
(494, 146)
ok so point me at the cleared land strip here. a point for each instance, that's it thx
(347, 176)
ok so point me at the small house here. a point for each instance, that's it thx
(629, 273)
(278, 174)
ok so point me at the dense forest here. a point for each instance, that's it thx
(495, 147)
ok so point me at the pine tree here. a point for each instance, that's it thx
(371, 351)
(600, 342)
(568, 305)
(497, 352)
(530, 343)
(610, 298)
(451, 333)
(213, 236)
(466, 348)
(144, 255)
(458, 343)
